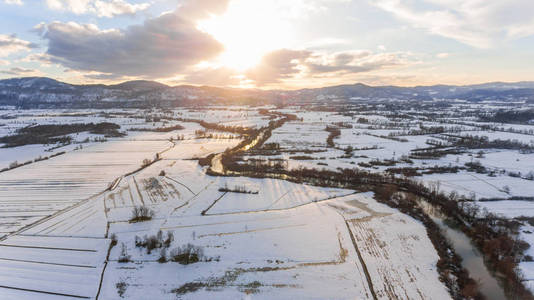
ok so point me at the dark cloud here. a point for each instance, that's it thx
(163, 46)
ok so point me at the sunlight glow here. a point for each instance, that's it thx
(248, 30)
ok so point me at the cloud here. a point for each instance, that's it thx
(286, 64)
(163, 46)
(443, 55)
(15, 2)
(11, 44)
(277, 65)
(16, 71)
(201, 9)
(101, 8)
(160, 47)
(356, 62)
(473, 22)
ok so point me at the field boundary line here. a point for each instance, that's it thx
(43, 292)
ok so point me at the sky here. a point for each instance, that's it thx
(269, 44)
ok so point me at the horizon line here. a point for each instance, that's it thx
(267, 89)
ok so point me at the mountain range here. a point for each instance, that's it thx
(42, 92)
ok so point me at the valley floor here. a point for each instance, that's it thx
(286, 241)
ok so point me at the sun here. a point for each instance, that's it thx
(248, 30)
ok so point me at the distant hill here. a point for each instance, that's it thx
(31, 92)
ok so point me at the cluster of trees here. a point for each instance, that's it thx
(378, 162)
(346, 125)
(186, 254)
(204, 134)
(393, 138)
(234, 163)
(152, 242)
(57, 133)
(334, 132)
(159, 129)
(237, 189)
(424, 130)
(510, 116)
(141, 213)
(415, 171)
(432, 152)
(482, 142)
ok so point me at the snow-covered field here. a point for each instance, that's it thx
(65, 221)
(287, 241)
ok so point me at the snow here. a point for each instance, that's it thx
(509, 208)
(287, 241)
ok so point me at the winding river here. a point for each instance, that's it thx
(471, 258)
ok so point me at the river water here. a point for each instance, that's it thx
(471, 258)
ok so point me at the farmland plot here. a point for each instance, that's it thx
(31, 192)
(393, 252)
(286, 260)
(46, 267)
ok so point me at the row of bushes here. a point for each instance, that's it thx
(159, 129)
(16, 164)
(237, 189)
(334, 132)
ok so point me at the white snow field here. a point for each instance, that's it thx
(64, 220)
(37, 190)
(287, 241)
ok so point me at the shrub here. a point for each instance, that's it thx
(124, 257)
(146, 162)
(169, 240)
(121, 288)
(187, 254)
(141, 213)
(162, 255)
(153, 183)
(162, 173)
(237, 189)
(154, 241)
(113, 240)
